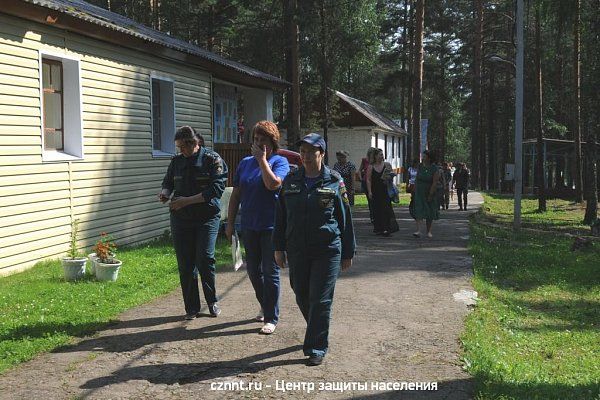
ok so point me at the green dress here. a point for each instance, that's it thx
(424, 209)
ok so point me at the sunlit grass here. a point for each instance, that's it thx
(560, 215)
(39, 311)
(535, 333)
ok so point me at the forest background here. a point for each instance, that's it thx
(437, 59)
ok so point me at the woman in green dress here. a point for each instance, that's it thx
(426, 205)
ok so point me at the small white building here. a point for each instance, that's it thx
(361, 126)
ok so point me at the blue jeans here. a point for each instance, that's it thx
(194, 243)
(313, 281)
(263, 271)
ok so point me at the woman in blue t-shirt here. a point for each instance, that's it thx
(256, 186)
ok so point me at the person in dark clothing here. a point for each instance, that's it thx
(196, 180)
(379, 175)
(447, 176)
(461, 182)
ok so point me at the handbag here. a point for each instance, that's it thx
(393, 193)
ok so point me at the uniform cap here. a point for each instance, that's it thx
(314, 139)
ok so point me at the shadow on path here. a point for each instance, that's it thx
(196, 372)
(132, 341)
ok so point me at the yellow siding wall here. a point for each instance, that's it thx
(113, 189)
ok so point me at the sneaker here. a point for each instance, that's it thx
(214, 310)
(260, 317)
(189, 317)
(314, 360)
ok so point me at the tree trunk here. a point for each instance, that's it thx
(411, 79)
(476, 137)
(405, 53)
(418, 78)
(491, 181)
(577, 102)
(541, 181)
(292, 71)
(154, 7)
(591, 209)
(325, 73)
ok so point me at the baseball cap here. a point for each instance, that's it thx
(314, 139)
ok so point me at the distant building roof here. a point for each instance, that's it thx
(94, 15)
(370, 113)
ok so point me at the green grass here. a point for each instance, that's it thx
(560, 215)
(39, 311)
(360, 200)
(535, 333)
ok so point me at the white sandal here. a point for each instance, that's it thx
(268, 328)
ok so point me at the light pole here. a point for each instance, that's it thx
(518, 68)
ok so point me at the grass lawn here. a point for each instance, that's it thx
(561, 215)
(39, 311)
(535, 333)
(360, 200)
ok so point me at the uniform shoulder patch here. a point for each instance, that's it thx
(211, 154)
(343, 192)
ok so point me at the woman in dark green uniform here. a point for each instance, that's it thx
(313, 225)
(196, 180)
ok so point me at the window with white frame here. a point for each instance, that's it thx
(163, 116)
(60, 91)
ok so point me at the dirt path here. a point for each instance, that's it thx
(395, 320)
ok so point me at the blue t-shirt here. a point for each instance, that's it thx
(258, 203)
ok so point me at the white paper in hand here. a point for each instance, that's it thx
(236, 252)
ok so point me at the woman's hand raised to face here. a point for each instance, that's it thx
(259, 152)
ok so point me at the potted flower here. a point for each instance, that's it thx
(107, 266)
(74, 263)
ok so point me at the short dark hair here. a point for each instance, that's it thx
(187, 135)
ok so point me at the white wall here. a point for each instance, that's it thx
(258, 105)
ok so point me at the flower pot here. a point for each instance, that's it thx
(92, 257)
(107, 272)
(73, 268)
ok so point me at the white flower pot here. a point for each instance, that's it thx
(107, 272)
(73, 268)
(92, 257)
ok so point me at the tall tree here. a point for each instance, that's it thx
(292, 71)
(577, 102)
(540, 173)
(476, 136)
(418, 77)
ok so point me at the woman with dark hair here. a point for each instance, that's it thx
(426, 205)
(379, 175)
(194, 182)
(256, 186)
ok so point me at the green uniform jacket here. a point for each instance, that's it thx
(205, 172)
(316, 220)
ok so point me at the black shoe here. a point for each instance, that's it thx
(386, 234)
(313, 361)
(214, 310)
(465, 208)
(460, 209)
(189, 317)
